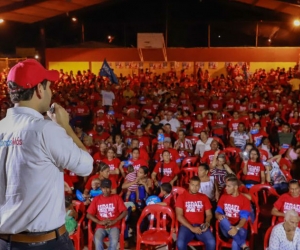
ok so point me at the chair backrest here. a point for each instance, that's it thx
(189, 161)
(219, 141)
(187, 174)
(267, 238)
(232, 153)
(176, 191)
(78, 206)
(158, 219)
(287, 174)
(263, 154)
(257, 188)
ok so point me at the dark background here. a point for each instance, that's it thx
(232, 24)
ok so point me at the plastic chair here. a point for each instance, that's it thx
(274, 220)
(189, 162)
(219, 141)
(233, 155)
(157, 234)
(176, 191)
(267, 238)
(91, 232)
(220, 243)
(77, 236)
(187, 174)
(287, 175)
(263, 208)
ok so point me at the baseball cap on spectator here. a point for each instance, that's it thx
(29, 73)
(100, 111)
(167, 139)
(106, 183)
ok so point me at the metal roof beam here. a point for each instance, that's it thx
(20, 4)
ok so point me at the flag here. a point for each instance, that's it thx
(108, 72)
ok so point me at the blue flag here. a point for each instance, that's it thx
(108, 72)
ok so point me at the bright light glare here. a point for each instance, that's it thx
(297, 22)
(1, 20)
(269, 40)
(109, 37)
(74, 19)
(36, 56)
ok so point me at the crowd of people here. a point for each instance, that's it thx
(236, 131)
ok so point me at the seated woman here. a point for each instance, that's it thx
(253, 169)
(286, 235)
(165, 171)
(143, 181)
(208, 185)
(276, 178)
(103, 172)
(220, 169)
(203, 144)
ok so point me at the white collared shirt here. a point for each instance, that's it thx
(33, 154)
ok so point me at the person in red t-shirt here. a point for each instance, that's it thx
(253, 169)
(193, 212)
(107, 211)
(232, 212)
(173, 152)
(234, 122)
(165, 171)
(198, 125)
(288, 201)
(135, 161)
(258, 135)
(113, 163)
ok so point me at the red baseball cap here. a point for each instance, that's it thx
(30, 73)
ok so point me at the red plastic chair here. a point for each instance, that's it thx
(187, 174)
(263, 208)
(274, 220)
(263, 154)
(227, 244)
(91, 232)
(287, 175)
(267, 238)
(233, 155)
(176, 191)
(189, 161)
(219, 141)
(77, 236)
(157, 234)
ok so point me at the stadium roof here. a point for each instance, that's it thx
(290, 7)
(31, 11)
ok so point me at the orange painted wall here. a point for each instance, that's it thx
(270, 54)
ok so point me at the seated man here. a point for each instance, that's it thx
(233, 211)
(193, 212)
(286, 235)
(107, 211)
(287, 201)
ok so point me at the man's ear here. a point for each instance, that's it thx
(39, 91)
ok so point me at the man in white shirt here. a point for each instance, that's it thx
(107, 96)
(33, 155)
(175, 124)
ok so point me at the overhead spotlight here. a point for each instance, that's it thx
(297, 22)
(1, 20)
(36, 57)
(74, 19)
(269, 40)
(110, 38)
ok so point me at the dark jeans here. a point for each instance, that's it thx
(63, 242)
(239, 239)
(185, 235)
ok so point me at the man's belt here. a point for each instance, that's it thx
(34, 238)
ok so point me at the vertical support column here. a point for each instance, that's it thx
(42, 49)
(208, 36)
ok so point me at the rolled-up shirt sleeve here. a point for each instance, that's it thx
(64, 152)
